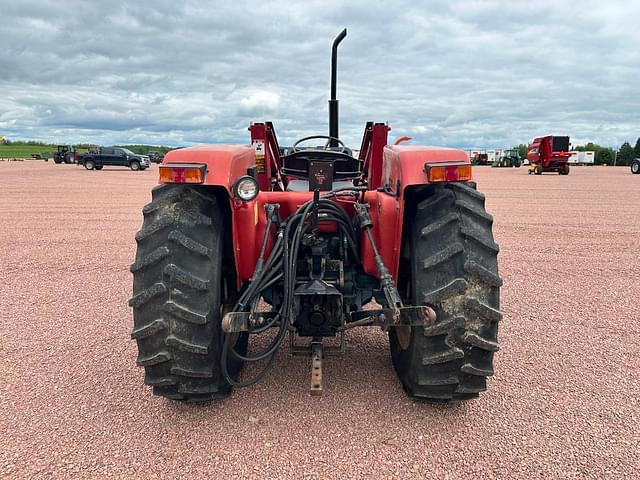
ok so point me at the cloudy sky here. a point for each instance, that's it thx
(466, 73)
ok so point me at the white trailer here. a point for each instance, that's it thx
(582, 158)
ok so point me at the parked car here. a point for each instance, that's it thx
(113, 156)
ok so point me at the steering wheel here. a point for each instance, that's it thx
(343, 147)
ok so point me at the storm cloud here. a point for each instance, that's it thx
(467, 73)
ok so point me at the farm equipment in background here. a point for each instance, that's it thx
(480, 159)
(65, 154)
(240, 242)
(635, 166)
(509, 158)
(41, 156)
(549, 154)
(155, 157)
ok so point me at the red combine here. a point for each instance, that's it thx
(241, 242)
(549, 154)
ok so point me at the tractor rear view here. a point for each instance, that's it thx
(549, 154)
(65, 154)
(240, 242)
(509, 158)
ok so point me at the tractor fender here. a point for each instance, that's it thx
(404, 165)
(225, 163)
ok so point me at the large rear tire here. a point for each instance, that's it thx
(177, 286)
(453, 262)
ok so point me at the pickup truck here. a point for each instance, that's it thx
(113, 156)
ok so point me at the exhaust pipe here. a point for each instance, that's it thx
(333, 102)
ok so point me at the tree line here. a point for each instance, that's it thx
(604, 155)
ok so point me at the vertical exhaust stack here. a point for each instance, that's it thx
(333, 102)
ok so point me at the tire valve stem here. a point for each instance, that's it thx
(388, 285)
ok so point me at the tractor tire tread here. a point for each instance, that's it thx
(442, 256)
(177, 284)
(148, 260)
(451, 289)
(455, 271)
(149, 329)
(189, 243)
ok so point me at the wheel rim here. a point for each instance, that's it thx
(635, 167)
(135, 166)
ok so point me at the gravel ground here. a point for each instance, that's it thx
(563, 401)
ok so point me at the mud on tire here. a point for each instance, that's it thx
(176, 299)
(452, 259)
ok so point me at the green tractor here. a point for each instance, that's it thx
(509, 158)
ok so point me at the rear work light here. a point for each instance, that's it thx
(246, 188)
(182, 173)
(448, 172)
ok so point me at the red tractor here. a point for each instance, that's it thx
(549, 154)
(240, 242)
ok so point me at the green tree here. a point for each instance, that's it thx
(625, 154)
(522, 150)
(636, 149)
(604, 156)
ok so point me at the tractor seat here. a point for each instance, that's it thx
(296, 185)
(325, 170)
(345, 167)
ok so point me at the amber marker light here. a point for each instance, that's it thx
(448, 173)
(182, 173)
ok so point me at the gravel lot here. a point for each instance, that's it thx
(563, 402)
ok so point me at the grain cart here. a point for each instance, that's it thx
(549, 154)
(240, 242)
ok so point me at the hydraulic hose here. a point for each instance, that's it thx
(281, 264)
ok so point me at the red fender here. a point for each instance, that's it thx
(225, 163)
(403, 166)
